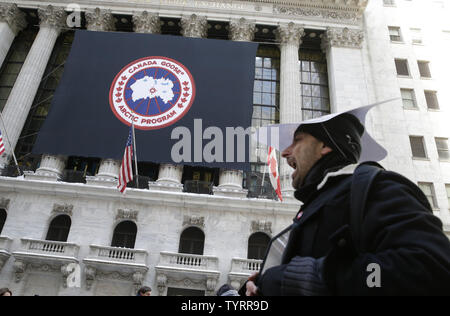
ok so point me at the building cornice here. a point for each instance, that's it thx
(138, 196)
(262, 11)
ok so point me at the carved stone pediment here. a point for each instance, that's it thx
(127, 214)
(261, 226)
(198, 221)
(63, 209)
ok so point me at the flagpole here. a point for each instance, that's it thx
(262, 182)
(9, 144)
(135, 156)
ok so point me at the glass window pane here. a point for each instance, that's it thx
(267, 74)
(432, 102)
(305, 66)
(306, 90)
(316, 91)
(424, 69)
(256, 98)
(306, 77)
(258, 73)
(417, 147)
(258, 62)
(266, 99)
(257, 86)
(267, 86)
(307, 102)
(266, 113)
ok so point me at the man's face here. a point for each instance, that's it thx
(302, 155)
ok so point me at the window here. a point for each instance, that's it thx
(424, 69)
(314, 84)
(402, 67)
(408, 98)
(257, 245)
(2, 218)
(442, 148)
(417, 147)
(432, 101)
(266, 91)
(266, 109)
(428, 190)
(192, 241)
(59, 228)
(416, 36)
(124, 235)
(394, 34)
(200, 179)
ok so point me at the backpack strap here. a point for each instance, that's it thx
(362, 180)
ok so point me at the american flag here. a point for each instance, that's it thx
(126, 170)
(2, 146)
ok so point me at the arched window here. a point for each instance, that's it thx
(257, 245)
(2, 218)
(59, 228)
(124, 235)
(192, 241)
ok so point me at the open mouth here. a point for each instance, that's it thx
(292, 163)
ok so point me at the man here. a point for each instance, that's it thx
(144, 291)
(401, 241)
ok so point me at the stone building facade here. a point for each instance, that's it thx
(325, 56)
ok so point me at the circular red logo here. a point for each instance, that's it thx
(153, 92)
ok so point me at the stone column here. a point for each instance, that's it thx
(194, 26)
(27, 83)
(99, 20)
(50, 169)
(347, 83)
(103, 21)
(230, 181)
(145, 22)
(289, 36)
(12, 21)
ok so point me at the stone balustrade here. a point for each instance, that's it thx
(247, 266)
(188, 261)
(117, 254)
(47, 247)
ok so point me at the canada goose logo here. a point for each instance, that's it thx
(153, 92)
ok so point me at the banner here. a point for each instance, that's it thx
(189, 98)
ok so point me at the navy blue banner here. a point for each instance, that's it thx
(199, 87)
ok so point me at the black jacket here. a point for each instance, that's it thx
(399, 233)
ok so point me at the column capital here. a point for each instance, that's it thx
(342, 37)
(290, 33)
(11, 14)
(242, 30)
(99, 20)
(145, 22)
(194, 26)
(54, 17)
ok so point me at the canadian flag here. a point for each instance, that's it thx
(273, 172)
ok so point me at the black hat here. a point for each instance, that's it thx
(342, 133)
